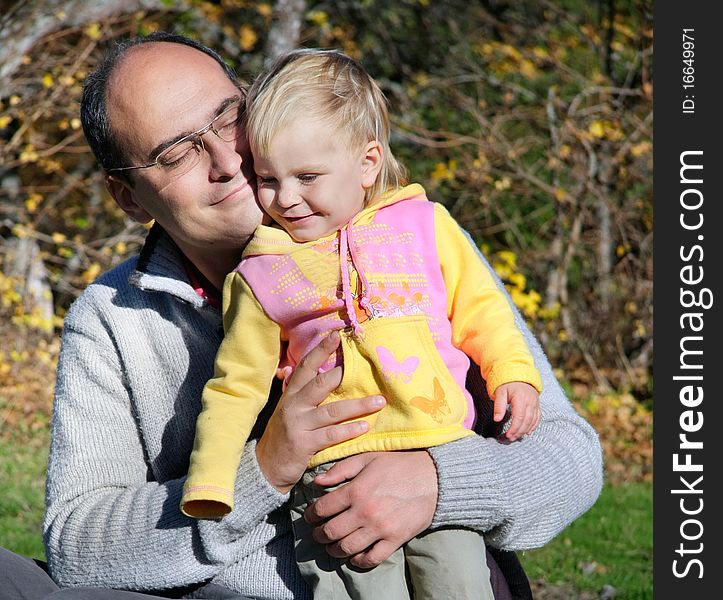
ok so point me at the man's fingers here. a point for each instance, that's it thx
(352, 544)
(344, 470)
(345, 410)
(309, 366)
(335, 434)
(376, 555)
(316, 390)
(327, 506)
(336, 529)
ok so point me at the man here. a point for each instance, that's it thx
(139, 345)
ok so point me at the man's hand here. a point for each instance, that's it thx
(525, 403)
(390, 498)
(299, 427)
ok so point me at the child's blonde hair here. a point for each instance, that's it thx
(330, 86)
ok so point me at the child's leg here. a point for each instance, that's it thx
(448, 563)
(331, 578)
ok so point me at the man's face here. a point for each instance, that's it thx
(159, 93)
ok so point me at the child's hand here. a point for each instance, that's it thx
(525, 403)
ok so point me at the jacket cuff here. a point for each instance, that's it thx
(470, 491)
(254, 496)
(507, 373)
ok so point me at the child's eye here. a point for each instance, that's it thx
(307, 177)
(261, 180)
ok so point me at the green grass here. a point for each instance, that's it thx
(22, 481)
(611, 544)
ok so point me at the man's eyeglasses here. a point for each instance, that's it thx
(184, 154)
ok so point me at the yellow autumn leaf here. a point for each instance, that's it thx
(560, 194)
(518, 280)
(421, 79)
(597, 129)
(641, 148)
(19, 231)
(32, 201)
(247, 38)
(624, 29)
(503, 184)
(508, 257)
(510, 51)
(5, 120)
(605, 129)
(28, 155)
(264, 9)
(318, 17)
(58, 238)
(528, 68)
(90, 274)
(93, 31)
(47, 81)
(50, 165)
(444, 171)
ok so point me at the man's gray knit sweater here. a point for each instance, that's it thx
(137, 349)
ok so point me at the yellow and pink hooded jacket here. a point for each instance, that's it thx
(411, 299)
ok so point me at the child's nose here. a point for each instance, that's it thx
(287, 197)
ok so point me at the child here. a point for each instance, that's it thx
(355, 252)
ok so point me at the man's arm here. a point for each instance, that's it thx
(524, 493)
(108, 521)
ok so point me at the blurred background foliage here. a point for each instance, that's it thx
(530, 120)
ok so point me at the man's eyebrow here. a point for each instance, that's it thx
(153, 154)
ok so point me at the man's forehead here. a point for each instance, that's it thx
(164, 88)
(161, 71)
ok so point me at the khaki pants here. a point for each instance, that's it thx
(445, 564)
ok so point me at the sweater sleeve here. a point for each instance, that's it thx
(483, 324)
(109, 522)
(523, 493)
(232, 400)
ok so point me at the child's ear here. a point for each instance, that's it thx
(371, 163)
(125, 197)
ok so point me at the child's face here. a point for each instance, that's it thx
(309, 182)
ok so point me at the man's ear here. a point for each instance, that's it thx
(125, 197)
(371, 163)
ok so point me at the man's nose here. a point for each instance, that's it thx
(225, 161)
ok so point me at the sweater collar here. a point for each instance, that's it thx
(162, 267)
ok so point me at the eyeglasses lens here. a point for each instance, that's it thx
(182, 156)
